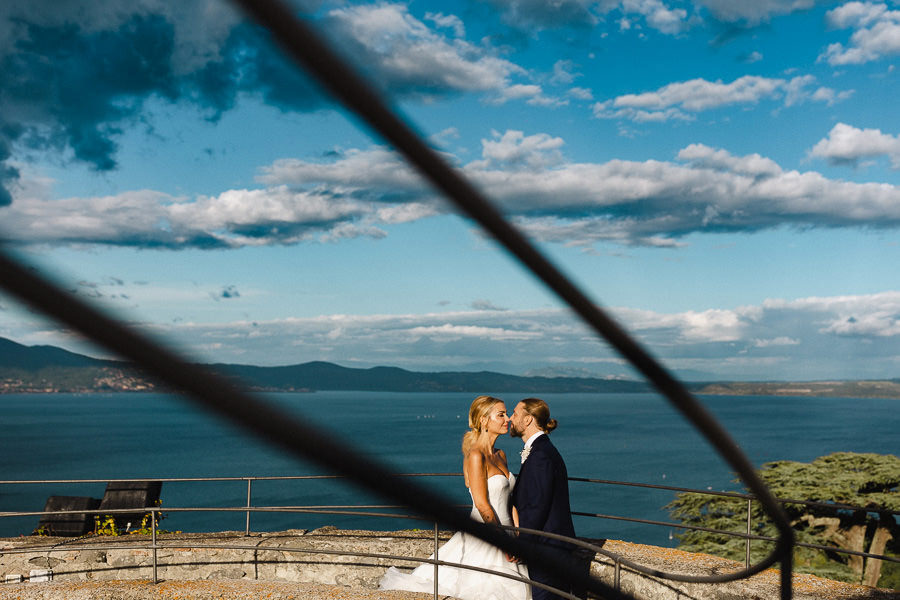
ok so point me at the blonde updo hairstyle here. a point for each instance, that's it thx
(538, 409)
(479, 413)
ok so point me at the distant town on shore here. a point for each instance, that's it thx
(48, 369)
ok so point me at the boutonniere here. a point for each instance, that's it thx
(524, 453)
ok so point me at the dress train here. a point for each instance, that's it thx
(467, 549)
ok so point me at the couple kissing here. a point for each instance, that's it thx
(538, 499)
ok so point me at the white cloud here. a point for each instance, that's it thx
(779, 341)
(705, 157)
(202, 54)
(658, 15)
(199, 27)
(602, 110)
(655, 202)
(804, 338)
(235, 218)
(680, 99)
(482, 304)
(829, 96)
(876, 33)
(753, 13)
(562, 72)
(518, 92)
(868, 316)
(404, 213)
(415, 58)
(856, 14)
(651, 203)
(854, 336)
(848, 144)
(880, 324)
(516, 150)
(449, 21)
(540, 14)
(711, 326)
(753, 57)
(581, 93)
(373, 168)
(700, 94)
(445, 136)
(531, 93)
(448, 332)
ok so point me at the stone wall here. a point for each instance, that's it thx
(340, 557)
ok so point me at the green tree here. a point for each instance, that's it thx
(866, 480)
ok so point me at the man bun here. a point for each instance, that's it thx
(538, 409)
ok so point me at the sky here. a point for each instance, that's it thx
(721, 176)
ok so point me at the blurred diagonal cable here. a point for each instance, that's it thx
(302, 44)
(219, 395)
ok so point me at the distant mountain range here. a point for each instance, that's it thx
(17, 356)
(48, 369)
(329, 376)
(51, 369)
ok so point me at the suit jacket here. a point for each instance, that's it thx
(541, 494)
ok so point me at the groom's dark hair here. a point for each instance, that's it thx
(538, 409)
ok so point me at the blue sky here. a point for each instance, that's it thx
(723, 176)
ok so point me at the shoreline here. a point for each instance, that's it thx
(883, 389)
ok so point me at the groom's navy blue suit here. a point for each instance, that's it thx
(541, 497)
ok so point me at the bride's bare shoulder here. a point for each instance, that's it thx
(474, 466)
(474, 458)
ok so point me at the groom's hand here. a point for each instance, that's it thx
(513, 559)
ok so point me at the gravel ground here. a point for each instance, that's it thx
(194, 590)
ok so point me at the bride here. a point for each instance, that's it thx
(490, 483)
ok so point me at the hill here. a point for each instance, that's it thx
(17, 356)
(51, 369)
(329, 376)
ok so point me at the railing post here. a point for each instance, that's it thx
(249, 483)
(435, 560)
(153, 538)
(618, 575)
(749, 531)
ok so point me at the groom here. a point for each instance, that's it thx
(541, 494)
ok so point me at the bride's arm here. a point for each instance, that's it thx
(476, 473)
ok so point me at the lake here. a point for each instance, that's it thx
(625, 437)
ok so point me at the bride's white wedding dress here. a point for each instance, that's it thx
(467, 549)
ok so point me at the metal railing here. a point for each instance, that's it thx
(249, 508)
(618, 561)
(155, 513)
(748, 535)
(221, 396)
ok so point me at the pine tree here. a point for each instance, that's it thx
(867, 480)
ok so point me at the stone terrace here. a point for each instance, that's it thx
(194, 566)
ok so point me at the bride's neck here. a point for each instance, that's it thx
(485, 446)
